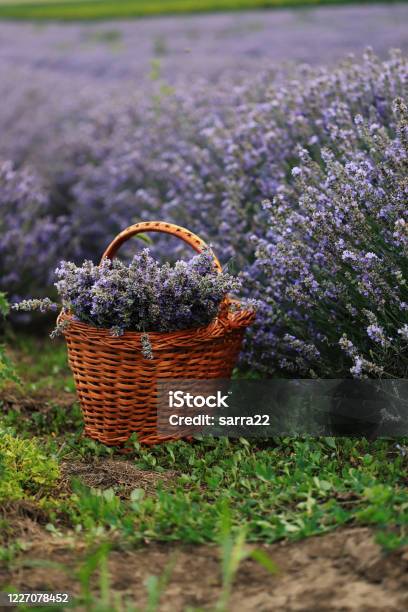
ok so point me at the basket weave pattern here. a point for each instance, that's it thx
(118, 387)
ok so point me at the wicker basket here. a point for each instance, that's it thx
(117, 386)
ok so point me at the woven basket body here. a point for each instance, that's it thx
(118, 387)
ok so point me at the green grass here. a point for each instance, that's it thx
(289, 489)
(107, 9)
(49, 368)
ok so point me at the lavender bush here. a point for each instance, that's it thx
(142, 295)
(335, 259)
(51, 75)
(208, 158)
(31, 236)
(211, 172)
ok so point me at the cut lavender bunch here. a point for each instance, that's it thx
(141, 296)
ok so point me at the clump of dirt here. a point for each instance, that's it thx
(122, 476)
(344, 571)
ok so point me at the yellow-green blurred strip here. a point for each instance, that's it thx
(78, 10)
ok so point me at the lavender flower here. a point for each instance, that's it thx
(403, 332)
(43, 305)
(147, 350)
(376, 333)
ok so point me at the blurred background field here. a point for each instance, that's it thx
(54, 75)
(106, 9)
(200, 45)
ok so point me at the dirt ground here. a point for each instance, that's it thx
(341, 571)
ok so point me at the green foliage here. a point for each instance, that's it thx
(390, 540)
(56, 420)
(4, 305)
(25, 470)
(156, 585)
(94, 508)
(7, 371)
(233, 552)
(9, 554)
(107, 9)
(290, 489)
(96, 560)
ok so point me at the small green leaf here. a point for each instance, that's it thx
(261, 557)
(137, 495)
(144, 238)
(4, 305)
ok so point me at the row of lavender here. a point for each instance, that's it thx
(302, 184)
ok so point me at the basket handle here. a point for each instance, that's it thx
(158, 226)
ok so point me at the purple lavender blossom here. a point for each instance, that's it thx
(376, 333)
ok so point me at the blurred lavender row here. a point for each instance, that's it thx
(202, 45)
(54, 73)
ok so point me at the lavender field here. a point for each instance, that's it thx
(225, 124)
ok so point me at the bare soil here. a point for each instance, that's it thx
(123, 476)
(341, 571)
